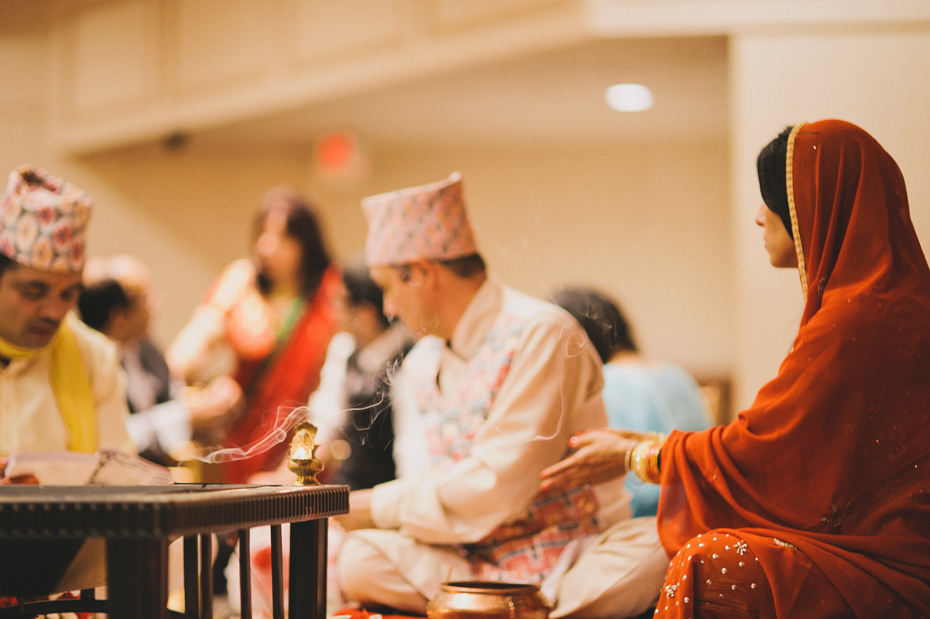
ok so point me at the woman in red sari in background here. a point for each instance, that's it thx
(267, 322)
(815, 502)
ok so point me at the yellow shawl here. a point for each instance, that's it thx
(70, 384)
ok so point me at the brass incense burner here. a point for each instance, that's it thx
(300, 457)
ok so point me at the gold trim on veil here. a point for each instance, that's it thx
(789, 179)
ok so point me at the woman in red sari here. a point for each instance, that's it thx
(267, 322)
(814, 502)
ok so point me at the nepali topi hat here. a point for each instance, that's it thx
(43, 221)
(426, 222)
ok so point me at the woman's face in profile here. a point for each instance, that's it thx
(278, 254)
(778, 243)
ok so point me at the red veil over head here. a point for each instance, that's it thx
(833, 456)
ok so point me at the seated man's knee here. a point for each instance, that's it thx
(353, 567)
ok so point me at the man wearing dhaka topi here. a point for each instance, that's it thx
(61, 386)
(493, 388)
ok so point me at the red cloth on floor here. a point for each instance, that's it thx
(361, 613)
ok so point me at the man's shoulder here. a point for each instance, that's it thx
(530, 309)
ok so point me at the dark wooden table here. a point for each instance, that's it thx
(38, 523)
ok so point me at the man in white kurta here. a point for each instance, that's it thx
(497, 384)
(61, 385)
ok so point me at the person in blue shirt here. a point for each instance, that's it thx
(639, 394)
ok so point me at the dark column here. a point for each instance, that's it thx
(245, 574)
(206, 575)
(191, 576)
(277, 573)
(137, 578)
(307, 593)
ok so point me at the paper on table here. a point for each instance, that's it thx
(118, 468)
(53, 468)
(107, 467)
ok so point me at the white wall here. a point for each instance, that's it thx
(879, 80)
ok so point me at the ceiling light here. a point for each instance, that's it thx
(629, 97)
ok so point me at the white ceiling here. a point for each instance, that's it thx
(552, 97)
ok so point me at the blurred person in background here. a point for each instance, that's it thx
(352, 407)
(165, 416)
(354, 413)
(267, 322)
(639, 394)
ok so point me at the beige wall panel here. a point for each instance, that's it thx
(23, 65)
(456, 13)
(878, 80)
(24, 69)
(109, 48)
(213, 43)
(668, 17)
(326, 29)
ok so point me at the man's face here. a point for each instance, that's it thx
(135, 319)
(407, 296)
(33, 303)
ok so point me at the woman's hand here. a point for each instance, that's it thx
(597, 456)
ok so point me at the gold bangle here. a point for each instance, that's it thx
(645, 459)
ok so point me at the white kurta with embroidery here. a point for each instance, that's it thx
(29, 416)
(552, 391)
(430, 518)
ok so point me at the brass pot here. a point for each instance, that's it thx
(488, 600)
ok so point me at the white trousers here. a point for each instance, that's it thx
(618, 575)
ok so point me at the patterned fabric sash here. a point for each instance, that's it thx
(527, 548)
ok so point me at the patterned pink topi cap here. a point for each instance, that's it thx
(43, 221)
(426, 222)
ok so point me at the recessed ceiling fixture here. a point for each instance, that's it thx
(629, 97)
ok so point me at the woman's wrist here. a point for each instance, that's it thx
(643, 459)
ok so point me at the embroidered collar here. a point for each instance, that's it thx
(477, 319)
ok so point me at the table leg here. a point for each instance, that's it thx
(137, 578)
(206, 575)
(191, 576)
(277, 573)
(245, 574)
(307, 594)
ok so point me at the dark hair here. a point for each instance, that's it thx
(601, 318)
(466, 266)
(303, 226)
(98, 300)
(7, 263)
(771, 167)
(362, 289)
